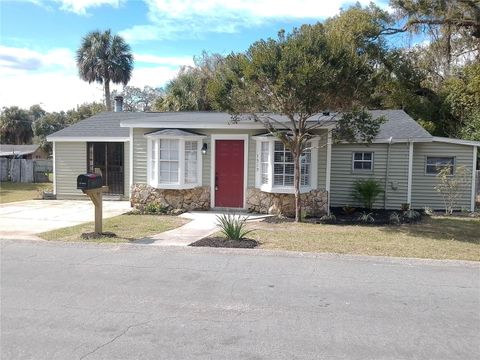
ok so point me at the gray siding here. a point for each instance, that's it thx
(70, 161)
(423, 192)
(126, 168)
(322, 159)
(343, 177)
(140, 156)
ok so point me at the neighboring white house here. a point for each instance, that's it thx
(199, 160)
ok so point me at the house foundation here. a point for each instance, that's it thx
(314, 203)
(186, 199)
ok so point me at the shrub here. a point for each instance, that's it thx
(412, 215)
(395, 219)
(348, 210)
(328, 219)
(154, 208)
(366, 191)
(451, 186)
(405, 206)
(233, 226)
(366, 218)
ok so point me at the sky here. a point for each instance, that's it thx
(38, 39)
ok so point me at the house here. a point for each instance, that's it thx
(28, 152)
(199, 160)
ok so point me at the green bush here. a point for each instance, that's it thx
(366, 191)
(395, 219)
(154, 208)
(233, 226)
(412, 216)
(366, 218)
(328, 219)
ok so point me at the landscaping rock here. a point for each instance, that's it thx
(174, 201)
(314, 203)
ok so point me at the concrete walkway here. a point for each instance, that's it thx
(202, 224)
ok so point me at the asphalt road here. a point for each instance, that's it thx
(78, 301)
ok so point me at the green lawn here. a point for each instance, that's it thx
(10, 192)
(127, 228)
(436, 238)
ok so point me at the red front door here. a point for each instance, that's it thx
(229, 169)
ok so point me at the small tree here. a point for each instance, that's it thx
(297, 76)
(450, 186)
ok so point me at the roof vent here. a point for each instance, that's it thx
(118, 103)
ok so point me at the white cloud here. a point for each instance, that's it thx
(29, 77)
(79, 7)
(27, 59)
(190, 18)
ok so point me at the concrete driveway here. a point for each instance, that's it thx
(102, 301)
(24, 219)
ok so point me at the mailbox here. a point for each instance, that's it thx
(89, 181)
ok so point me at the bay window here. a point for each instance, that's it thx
(174, 163)
(275, 166)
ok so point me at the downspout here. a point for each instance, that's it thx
(387, 173)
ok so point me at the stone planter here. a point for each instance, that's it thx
(314, 203)
(189, 199)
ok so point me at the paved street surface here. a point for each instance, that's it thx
(24, 219)
(87, 301)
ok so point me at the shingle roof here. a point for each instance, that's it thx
(399, 125)
(106, 124)
(18, 150)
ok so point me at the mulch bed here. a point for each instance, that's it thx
(225, 243)
(94, 235)
(381, 217)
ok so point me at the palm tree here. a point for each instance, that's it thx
(103, 58)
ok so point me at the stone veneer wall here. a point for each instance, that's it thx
(314, 203)
(188, 199)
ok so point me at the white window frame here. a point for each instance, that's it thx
(363, 171)
(290, 189)
(153, 141)
(454, 163)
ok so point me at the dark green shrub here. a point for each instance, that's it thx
(412, 216)
(154, 208)
(233, 226)
(395, 219)
(366, 192)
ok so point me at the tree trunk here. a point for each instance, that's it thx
(108, 102)
(296, 184)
